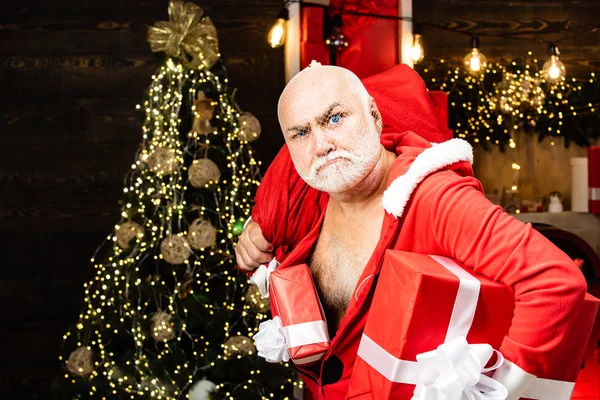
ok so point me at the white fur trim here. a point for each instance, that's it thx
(430, 160)
(515, 379)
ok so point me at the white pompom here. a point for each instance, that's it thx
(201, 390)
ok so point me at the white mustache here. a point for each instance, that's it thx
(318, 164)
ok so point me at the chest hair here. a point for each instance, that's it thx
(340, 256)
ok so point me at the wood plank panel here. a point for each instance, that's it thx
(71, 121)
(46, 300)
(121, 75)
(120, 33)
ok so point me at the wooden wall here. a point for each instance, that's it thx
(71, 73)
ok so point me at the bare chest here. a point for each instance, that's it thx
(340, 256)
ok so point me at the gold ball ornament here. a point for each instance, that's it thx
(127, 232)
(175, 249)
(162, 327)
(162, 161)
(202, 172)
(239, 345)
(249, 127)
(256, 301)
(201, 234)
(80, 362)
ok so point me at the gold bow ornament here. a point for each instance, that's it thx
(187, 35)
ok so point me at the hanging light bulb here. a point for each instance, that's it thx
(276, 36)
(475, 61)
(554, 69)
(416, 51)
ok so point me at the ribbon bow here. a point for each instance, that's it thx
(455, 372)
(187, 35)
(270, 341)
(262, 275)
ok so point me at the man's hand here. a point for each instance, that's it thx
(252, 248)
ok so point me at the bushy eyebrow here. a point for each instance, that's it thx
(320, 119)
(297, 128)
(327, 113)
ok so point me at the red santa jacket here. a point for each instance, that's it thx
(433, 205)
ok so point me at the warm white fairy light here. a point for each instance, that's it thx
(155, 200)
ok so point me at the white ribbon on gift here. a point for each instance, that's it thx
(270, 341)
(455, 370)
(262, 277)
(273, 340)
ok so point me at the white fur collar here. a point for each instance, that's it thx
(430, 160)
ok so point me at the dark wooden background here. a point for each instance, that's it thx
(71, 73)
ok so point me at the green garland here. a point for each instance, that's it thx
(491, 107)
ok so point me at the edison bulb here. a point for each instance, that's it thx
(416, 52)
(475, 60)
(554, 69)
(276, 35)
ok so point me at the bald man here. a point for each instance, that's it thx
(408, 196)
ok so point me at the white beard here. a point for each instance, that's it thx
(343, 175)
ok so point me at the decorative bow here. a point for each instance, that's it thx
(187, 35)
(270, 341)
(455, 372)
(262, 277)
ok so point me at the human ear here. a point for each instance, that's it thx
(374, 111)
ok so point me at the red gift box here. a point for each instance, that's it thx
(443, 304)
(295, 301)
(594, 179)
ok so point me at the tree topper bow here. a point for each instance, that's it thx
(187, 35)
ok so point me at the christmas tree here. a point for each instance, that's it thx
(166, 314)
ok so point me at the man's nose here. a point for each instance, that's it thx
(324, 142)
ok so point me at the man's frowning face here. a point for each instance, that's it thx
(330, 125)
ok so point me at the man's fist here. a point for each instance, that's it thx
(252, 248)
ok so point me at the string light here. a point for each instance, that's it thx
(554, 69)
(488, 108)
(416, 51)
(277, 33)
(475, 61)
(133, 297)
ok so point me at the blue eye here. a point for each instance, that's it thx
(300, 134)
(335, 119)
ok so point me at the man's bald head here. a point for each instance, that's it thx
(331, 126)
(316, 84)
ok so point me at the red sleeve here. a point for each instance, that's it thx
(548, 287)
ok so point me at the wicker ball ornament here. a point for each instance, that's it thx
(201, 234)
(175, 249)
(239, 345)
(162, 327)
(127, 232)
(249, 127)
(202, 172)
(162, 161)
(256, 301)
(81, 362)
